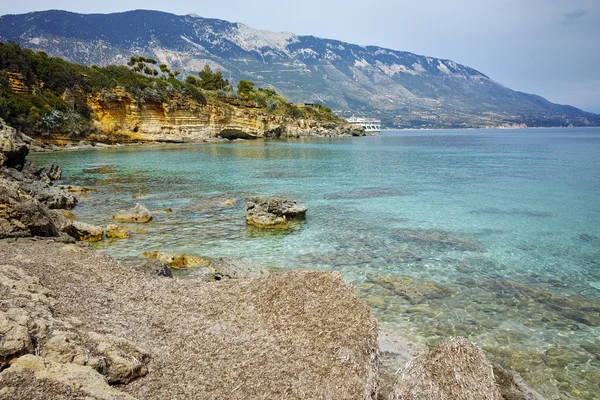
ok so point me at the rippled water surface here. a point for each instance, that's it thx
(494, 235)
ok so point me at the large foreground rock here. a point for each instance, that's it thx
(291, 335)
(137, 214)
(272, 212)
(13, 149)
(21, 215)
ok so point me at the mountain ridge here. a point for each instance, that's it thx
(404, 89)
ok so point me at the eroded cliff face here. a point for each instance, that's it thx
(121, 117)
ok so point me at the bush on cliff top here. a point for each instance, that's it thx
(53, 94)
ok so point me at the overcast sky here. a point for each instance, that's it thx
(546, 47)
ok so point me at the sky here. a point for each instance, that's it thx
(546, 47)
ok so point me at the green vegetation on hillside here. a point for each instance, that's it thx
(41, 95)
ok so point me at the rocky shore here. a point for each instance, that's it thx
(76, 324)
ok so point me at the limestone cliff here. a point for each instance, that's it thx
(120, 116)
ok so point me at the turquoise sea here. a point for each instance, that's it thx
(490, 234)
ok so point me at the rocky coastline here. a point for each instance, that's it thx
(75, 324)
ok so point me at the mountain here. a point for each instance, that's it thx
(401, 88)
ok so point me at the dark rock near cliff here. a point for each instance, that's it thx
(21, 215)
(13, 149)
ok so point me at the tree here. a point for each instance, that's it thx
(191, 80)
(245, 89)
(212, 81)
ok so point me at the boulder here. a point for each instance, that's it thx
(272, 212)
(230, 268)
(14, 339)
(177, 260)
(52, 196)
(117, 232)
(32, 377)
(84, 232)
(154, 267)
(33, 183)
(454, 370)
(51, 172)
(21, 215)
(139, 214)
(13, 149)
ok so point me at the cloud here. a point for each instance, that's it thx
(573, 17)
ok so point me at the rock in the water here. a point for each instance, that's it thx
(176, 260)
(272, 212)
(77, 189)
(210, 203)
(100, 169)
(230, 268)
(13, 149)
(117, 232)
(21, 215)
(454, 370)
(51, 172)
(139, 214)
(85, 232)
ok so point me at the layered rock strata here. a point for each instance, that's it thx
(121, 117)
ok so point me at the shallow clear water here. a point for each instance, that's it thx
(494, 235)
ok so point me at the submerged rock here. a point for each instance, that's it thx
(574, 308)
(77, 189)
(100, 169)
(413, 290)
(454, 370)
(439, 240)
(367, 193)
(139, 214)
(210, 203)
(272, 212)
(177, 260)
